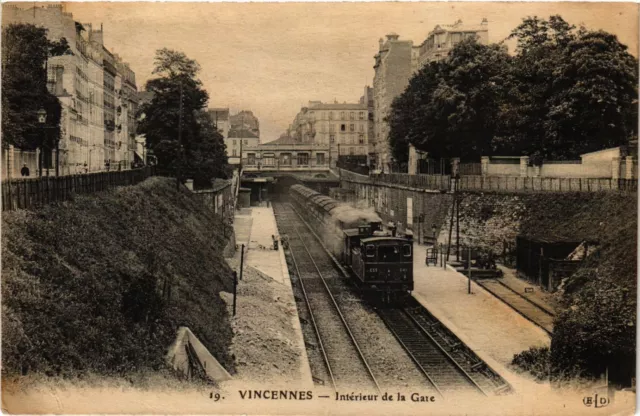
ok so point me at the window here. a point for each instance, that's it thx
(406, 250)
(360, 138)
(388, 254)
(234, 142)
(370, 250)
(269, 159)
(352, 127)
(351, 115)
(246, 142)
(251, 159)
(320, 159)
(343, 127)
(361, 128)
(332, 128)
(361, 115)
(330, 115)
(303, 159)
(342, 115)
(233, 152)
(285, 159)
(332, 138)
(352, 151)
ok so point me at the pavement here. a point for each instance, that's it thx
(260, 253)
(492, 329)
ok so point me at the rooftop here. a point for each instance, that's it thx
(243, 133)
(336, 106)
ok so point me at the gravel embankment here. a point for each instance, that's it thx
(264, 344)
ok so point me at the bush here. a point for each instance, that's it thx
(535, 360)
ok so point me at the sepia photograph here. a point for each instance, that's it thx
(319, 208)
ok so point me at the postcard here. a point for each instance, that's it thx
(319, 208)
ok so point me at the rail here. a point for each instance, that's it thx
(393, 319)
(313, 321)
(337, 308)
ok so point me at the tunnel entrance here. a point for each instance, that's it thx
(279, 188)
(276, 188)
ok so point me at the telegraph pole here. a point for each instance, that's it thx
(179, 140)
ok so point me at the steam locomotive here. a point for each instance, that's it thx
(378, 260)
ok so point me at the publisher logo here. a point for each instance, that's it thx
(596, 401)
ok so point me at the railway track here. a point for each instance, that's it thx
(442, 370)
(525, 307)
(344, 361)
(446, 365)
(476, 371)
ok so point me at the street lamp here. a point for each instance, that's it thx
(42, 119)
(42, 116)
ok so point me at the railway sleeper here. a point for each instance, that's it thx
(477, 366)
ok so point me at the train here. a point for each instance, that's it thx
(379, 261)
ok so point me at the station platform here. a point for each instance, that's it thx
(260, 253)
(492, 329)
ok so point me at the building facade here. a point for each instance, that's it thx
(443, 38)
(220, 118)
(393, 67)
(396, 62)
(79, 80)
(243, 132)
(344, 128)
(286, 155)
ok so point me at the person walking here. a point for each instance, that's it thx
(25, 170)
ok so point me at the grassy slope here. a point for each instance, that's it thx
(85, 285)
(597, 327)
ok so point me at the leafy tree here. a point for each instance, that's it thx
(594, 101)
(450, 108)
(564, 93)
(25, 51)
(568, 92)
(180, 136)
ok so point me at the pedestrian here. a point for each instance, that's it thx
(25, 170)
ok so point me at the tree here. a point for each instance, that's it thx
(179, 135)
(594, 102)
(450, 108)
(25, 51)
(564, 93)
(568, 92)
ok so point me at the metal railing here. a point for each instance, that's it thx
(494, 183)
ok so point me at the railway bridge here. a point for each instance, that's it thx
(274, 182)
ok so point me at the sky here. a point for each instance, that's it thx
(272, 58)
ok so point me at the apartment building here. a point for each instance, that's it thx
(96, 90)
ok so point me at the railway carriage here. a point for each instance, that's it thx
(378, 261)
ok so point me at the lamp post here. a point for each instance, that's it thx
(42, 120)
